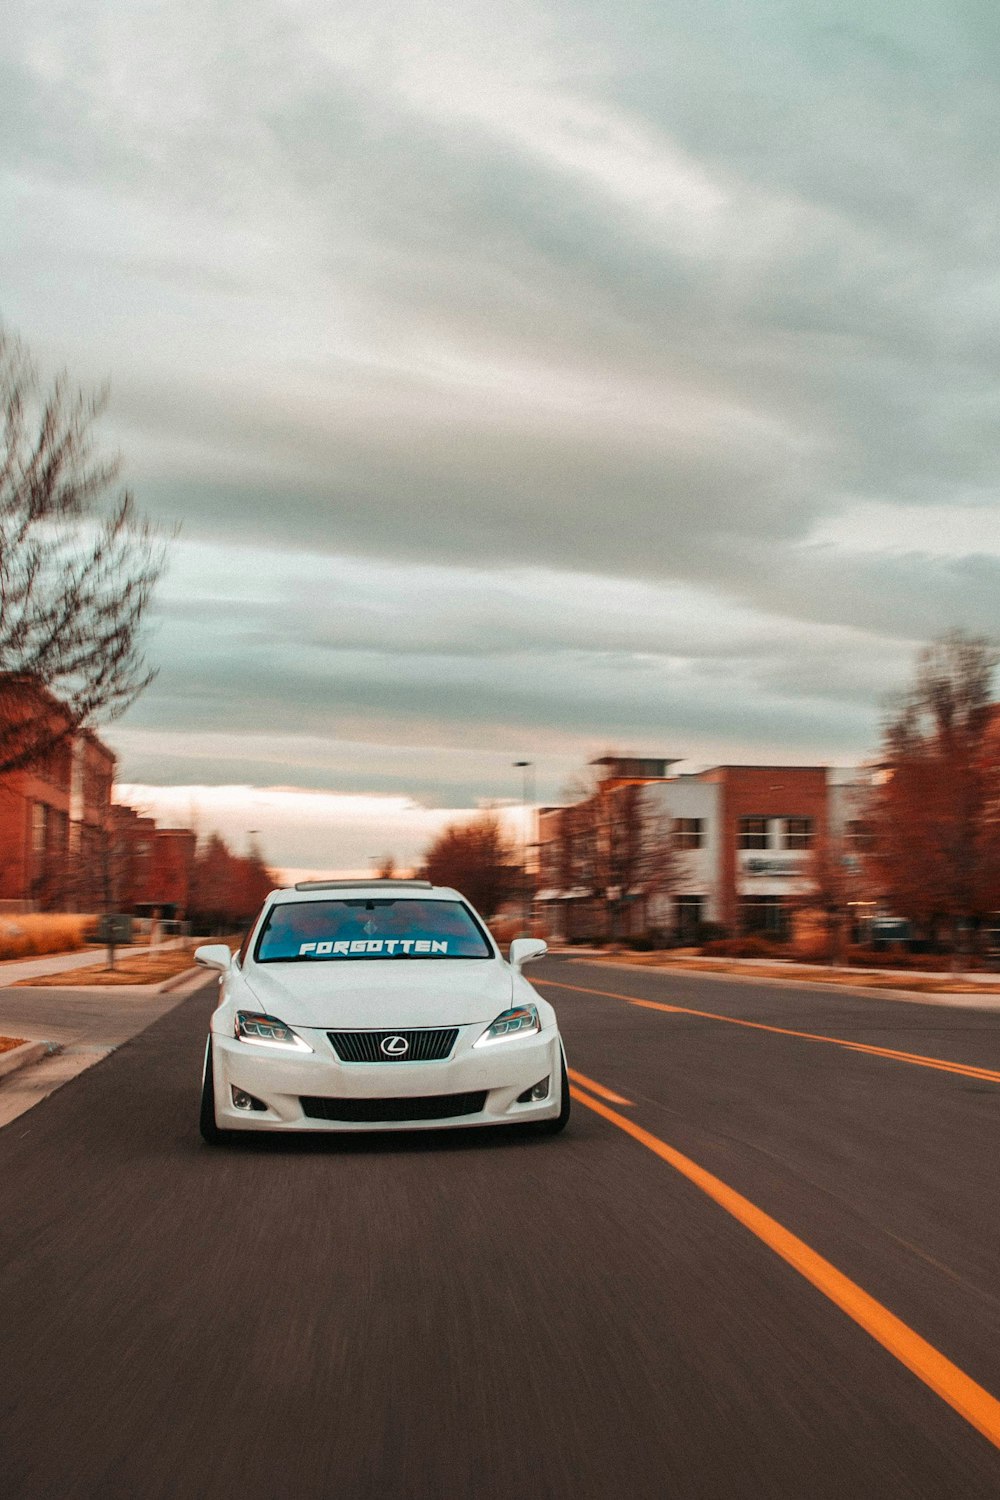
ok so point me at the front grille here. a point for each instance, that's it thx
(385, 1111)
(366, 1046)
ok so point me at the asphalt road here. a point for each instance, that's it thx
(84, 1023)
(481, 1314)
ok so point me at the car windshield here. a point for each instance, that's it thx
(370, 927)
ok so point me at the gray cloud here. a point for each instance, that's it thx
(642, 298)
(485, 658)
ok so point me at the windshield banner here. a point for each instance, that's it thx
(374, 946)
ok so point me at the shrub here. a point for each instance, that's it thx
(42, 932)
(745, 947)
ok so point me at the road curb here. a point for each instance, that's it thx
(158, 987)
(956, 998)
(795, 969)
(20, 1057)
(176, 980)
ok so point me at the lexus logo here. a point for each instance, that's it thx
(395, 1046)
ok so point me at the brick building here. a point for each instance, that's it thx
(152, 866)
(134, 844)
(768, 819)
(169, 891)
(64, 844)
(35, 803)
(91, 867)
(743, 840)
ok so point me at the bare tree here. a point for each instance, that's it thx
(77, 566)
(618, 848)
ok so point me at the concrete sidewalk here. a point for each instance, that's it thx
(12, 970)
(78, 1028)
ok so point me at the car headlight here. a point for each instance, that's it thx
(267, 1031)
(520, 1021)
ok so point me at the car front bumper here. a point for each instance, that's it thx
(296, 1089)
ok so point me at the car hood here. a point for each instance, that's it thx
(369, 994)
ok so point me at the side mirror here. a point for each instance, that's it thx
(523, 950)
(213, 956)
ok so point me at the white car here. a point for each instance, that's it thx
(378, 1005)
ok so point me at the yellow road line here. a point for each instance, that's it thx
(596, 1088)
(916, 1059)
(928, 1364)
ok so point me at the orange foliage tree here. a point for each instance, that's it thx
(227, 889)
(936, 814)
(478, 859)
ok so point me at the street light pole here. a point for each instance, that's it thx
(527, 769)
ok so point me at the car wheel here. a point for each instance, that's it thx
(209, 1129)
(561, 1120)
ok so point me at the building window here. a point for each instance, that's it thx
(60, 832)
(798, 833)
(688, 833)
(39, 827)
(768, 916)
(859, 834)
(753, 833)
(688, 915)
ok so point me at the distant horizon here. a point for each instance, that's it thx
(367, 829)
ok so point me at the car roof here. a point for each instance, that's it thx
(320, 890)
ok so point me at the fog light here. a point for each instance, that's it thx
(535, 1093)
(243, 1100)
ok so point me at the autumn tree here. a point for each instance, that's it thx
(77, 566)
(227, 889)
(936, 814)
(479, 859)
(836, 879)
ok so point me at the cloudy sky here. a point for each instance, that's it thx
(525, 378)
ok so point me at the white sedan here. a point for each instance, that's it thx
(378, 1005)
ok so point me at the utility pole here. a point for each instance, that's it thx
(527, 769)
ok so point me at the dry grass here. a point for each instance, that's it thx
(8, 1043)
(130, 968)
(923, 983)
(43, 932)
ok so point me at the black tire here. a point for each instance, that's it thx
(561, 1120)
(210, 1131)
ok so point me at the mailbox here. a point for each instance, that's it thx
(114, 928)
